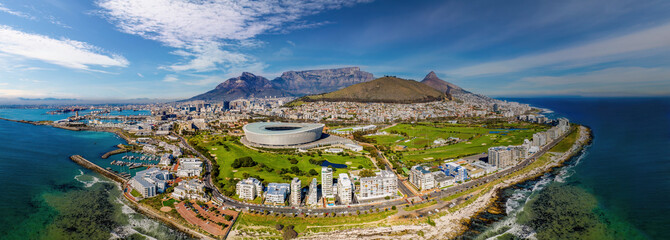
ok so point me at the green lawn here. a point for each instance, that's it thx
(135, 193)
(275, 161)
(420, 206)
(301, 224)
(169, 203)
(566, 144)
(477, 140)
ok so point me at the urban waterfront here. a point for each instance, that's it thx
(628, 178)
(625, 170)
(44, 192)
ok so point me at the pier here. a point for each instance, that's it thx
(107, 173)
(122, 149)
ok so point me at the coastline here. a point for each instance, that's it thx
(450, 225)
(453, 224)
(151, 213)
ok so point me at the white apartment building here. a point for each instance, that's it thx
(150, 182)
(312, 198)
(326, 182)
(344, 189)
(249, 188)
(421, 177)
(384, 184)
(277, 192)
(191, 189)
(296, 193)
(189, 167)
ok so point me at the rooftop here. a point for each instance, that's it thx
(278, 128)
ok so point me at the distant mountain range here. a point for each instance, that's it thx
(291, 83)
(341, 84)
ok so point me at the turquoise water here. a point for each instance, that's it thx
(617, 189)
(41, 114)
(47, 196)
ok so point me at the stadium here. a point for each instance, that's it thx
(279, 134)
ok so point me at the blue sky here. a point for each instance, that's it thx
(172, 49)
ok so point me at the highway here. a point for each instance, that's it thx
(340, 209)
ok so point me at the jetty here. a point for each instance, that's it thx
(107, 173)
(122, 149)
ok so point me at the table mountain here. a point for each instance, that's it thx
(320, 81)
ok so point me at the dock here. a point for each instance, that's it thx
(107, 173)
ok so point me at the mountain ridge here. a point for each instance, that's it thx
(290, 83)
(386, 89)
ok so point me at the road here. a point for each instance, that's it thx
(229, 202)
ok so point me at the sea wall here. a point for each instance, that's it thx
(87, 164)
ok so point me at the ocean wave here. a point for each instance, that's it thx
(520, 197)
(92, 180)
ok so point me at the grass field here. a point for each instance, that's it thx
(420, 206)
(302, 224)
(565, 145)
(275, 161)
(423, 134)
(477, 139)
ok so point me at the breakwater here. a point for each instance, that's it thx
(87, 164)
(122, 149)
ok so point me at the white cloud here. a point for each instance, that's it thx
(15, 13)
(209, 33)
(170, 78)
(140, 75)
(63, 52)
(207, 58)
(610, 49)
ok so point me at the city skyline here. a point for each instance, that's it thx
(115, 49)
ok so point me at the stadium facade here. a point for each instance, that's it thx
(275, 134)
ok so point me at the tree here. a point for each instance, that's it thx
(313, 172)
(243, 162)
(279, 227)
(367, 173)
(289, 233)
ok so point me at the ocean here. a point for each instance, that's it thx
(617, 188)
(47, 196)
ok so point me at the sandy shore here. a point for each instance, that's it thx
(451, 225)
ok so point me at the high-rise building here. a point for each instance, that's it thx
(421, 177)
(461, 174)
(344, 189)
(385, 183)
(326, 182)
(312, 198)
(296, 193)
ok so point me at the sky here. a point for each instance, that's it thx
(174, 49)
